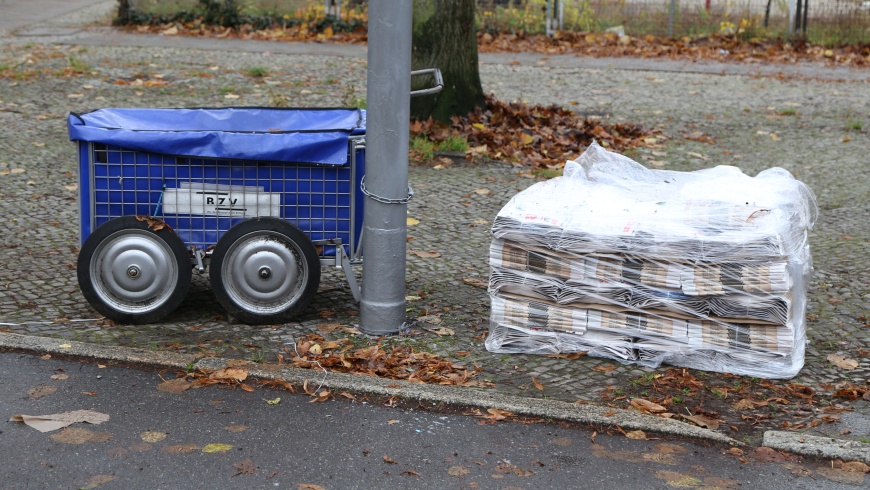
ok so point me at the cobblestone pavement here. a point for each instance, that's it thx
(818, 130)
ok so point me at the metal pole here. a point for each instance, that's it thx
(791, 5)
(671, 19)
(388, 104)
(548, 25)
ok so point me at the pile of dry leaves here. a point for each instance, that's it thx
(394, 362)
(715, 47)
(315, 352)
(539, 136)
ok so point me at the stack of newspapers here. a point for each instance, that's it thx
(704, 269)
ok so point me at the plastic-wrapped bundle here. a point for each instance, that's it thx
(702, 269)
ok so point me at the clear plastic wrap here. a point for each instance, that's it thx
(704, 269)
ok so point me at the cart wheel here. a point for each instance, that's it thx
(133, 274)
(264, 271)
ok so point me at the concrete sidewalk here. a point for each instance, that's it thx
(822, 141)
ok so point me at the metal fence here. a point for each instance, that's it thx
(821, 21)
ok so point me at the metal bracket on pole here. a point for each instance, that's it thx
(439, 82)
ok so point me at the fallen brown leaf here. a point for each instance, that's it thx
(154, 224)
(181, 448)
(638, 435)
(494, 415)
(703, 421)
(76, 435)
(509, 468)
(573, 355)
(328, 327)
(842, 362)
(604, 368)
(245, 467)
(176, 386)
(41, 391)
(647, 406)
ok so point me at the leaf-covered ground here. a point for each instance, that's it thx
(727, 48)
(539, 136)
(717, 47)
(739, 405)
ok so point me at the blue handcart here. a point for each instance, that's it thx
(261, 197)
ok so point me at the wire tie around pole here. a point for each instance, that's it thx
(385, 200)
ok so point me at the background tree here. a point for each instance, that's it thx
(124, 9)
(445, 37)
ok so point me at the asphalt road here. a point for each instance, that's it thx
(222, 438)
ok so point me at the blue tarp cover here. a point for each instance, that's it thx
(318, 136)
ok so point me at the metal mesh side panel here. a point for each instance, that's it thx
(203, 198)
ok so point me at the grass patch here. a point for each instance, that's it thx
(423, 148)
(454, 142)
(855, 126)
(788, 112)
(78, 66)
(546, 173)
(257, 72)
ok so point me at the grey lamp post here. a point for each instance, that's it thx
(388, 107)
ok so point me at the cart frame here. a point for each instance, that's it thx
(202, 198)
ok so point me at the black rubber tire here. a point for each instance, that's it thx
(257, 298)
(101, 288)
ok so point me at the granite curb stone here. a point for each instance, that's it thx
(435, 394)
(815, 446)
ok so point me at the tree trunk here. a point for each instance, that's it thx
(445, 37)
(124, 10)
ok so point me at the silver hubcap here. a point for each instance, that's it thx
(133, 271)
(264, 273)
